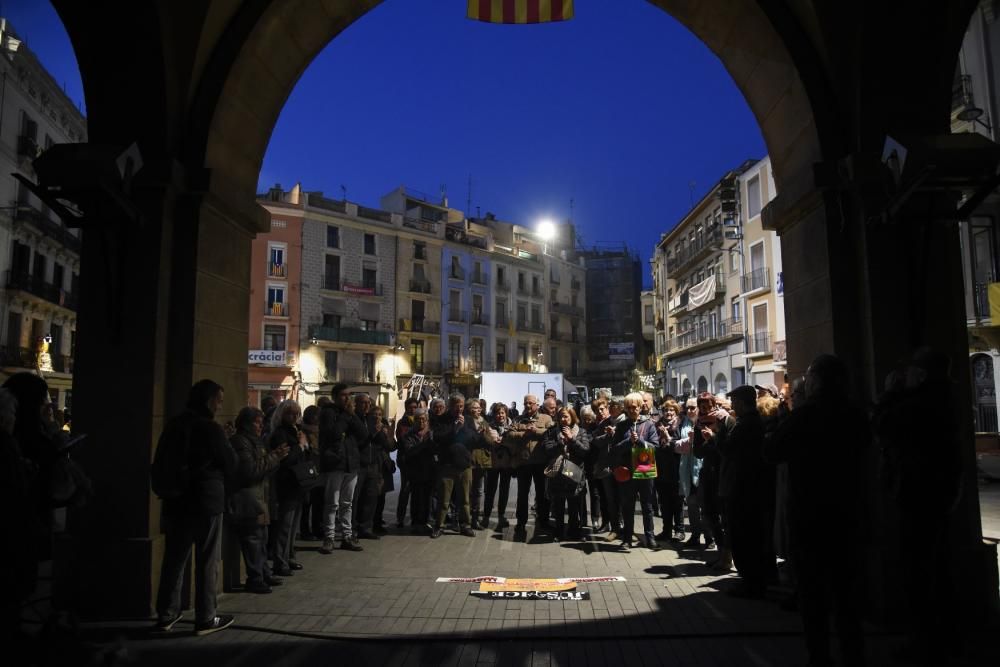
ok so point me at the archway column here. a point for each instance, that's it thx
(162, 304)
(872, 294)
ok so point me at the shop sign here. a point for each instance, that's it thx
(621, 350)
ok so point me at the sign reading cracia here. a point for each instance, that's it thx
(267, 357)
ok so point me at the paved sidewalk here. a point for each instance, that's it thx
(383, 607)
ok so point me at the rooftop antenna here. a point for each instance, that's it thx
(571, 202)
(691, 186)
(343, 192)
(468, 201)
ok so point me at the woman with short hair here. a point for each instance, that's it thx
(499, 474)
(636, 441)
(565, 438)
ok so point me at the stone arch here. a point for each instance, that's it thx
(721, 383)
(702, 384)
(686, 387)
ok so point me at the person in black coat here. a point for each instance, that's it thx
(566, 438)
(418, 449)
(454, 465)
(824, 442)
(196, 515)
(340, 433)
(748, 494)
(285, 432)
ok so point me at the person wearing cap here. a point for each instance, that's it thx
(746, 486)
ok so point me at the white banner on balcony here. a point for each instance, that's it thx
(701, 293)
(267, 357)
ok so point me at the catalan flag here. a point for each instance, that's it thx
(520, 11)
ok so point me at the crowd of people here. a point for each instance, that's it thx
(762, 475)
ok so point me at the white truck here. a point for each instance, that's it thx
(503, 388)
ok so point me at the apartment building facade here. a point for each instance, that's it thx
(40, 262)
(761, 284)
(696, 269)
(275, 333)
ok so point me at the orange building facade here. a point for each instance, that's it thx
(275, 306)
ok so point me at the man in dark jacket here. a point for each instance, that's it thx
(340, 431)
(369, 469)
(454, 464)
(745, 488)
(195, 516)
(527, 433)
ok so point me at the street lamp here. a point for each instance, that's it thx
(546, 231)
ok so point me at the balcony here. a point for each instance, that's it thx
(276, 310)
(331, 283)
(554, 278)
(678, 303)
(720, 294)
(420, 252)
(350, 335)
(456, 273)
(562, 336)
(420, 285)
(18, 357)
(25, 282)
(503, 286)
(502, 321)
(523, 290)
(759, 343)
(567, 309)
(349, 375)
(480, 319)
(420, 326)
(479, 278)
(429, 226)
(455, 315)
(704, 336)
(756, 280)
(536, 291)
(981, 301)
(700, 248)
(62, 363)
(536, 327)
(362, 290)
(276, 270)
(575, 284)
(54, 230)
(427, 367)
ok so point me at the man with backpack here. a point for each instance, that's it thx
(192, 463)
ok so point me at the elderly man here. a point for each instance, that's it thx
(526, 433)
(549, 406)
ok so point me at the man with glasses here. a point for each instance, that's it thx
(527, 432)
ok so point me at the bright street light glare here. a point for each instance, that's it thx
(547, 230)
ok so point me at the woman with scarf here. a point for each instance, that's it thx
(285, 431)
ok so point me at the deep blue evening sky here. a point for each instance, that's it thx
(619, 109)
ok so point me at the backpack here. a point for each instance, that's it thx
(170, 475)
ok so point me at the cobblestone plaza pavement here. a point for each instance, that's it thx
(383, 607)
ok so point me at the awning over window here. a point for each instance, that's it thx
(369, 311)
(334, 307)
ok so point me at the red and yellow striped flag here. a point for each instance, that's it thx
(520, 11)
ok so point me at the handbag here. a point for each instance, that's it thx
(622, 473)
(306, 474)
